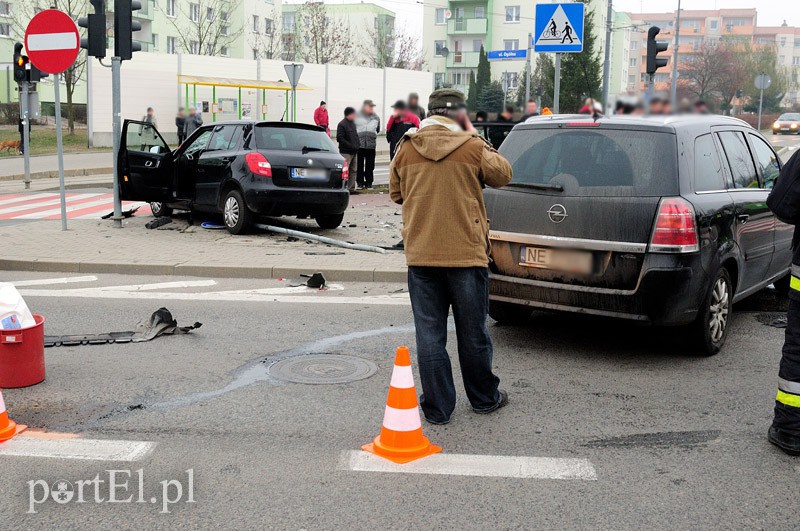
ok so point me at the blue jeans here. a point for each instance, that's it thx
(433, 291)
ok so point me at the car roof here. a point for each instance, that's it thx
(259, 123)
(672, 122)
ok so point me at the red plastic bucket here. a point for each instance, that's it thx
(22, 355)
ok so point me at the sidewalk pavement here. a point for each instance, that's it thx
(94, 246)
(92, 163)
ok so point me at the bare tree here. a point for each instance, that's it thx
(267, 44)
(320, 37)
(701, 73)
(391, 47)
(204, 26)
(23, 12)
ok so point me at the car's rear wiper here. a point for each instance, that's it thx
(540, 186)
(308, 149)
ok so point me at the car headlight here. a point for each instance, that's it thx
(793, 126)
(776, 125)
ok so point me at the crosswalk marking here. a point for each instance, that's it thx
(45, 205)
(33, 445)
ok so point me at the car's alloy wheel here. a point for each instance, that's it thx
(231, 212)
(159, 209)
(719, 310)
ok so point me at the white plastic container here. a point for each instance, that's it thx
(14, 313)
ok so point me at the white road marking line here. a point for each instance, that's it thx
(521, 467)
(284, 290)
(48, 281)
(71, 207)
(149, 287)
(84, 449)
(51, 41)
(26, 197)
(40, 204)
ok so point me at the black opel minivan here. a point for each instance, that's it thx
(656, 219)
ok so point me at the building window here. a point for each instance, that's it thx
(5, 9)
(194, 48)
(512, 13)
(171, 45)
(634, 46)
(633, 62)
(510, 80)
(288, 22)
(690, 23)
(194, 12)
(440, 18)
(438, 80)
(170, 8)
(480, 12)
(210, 13)
(632, 80)
(224, 51)
(5, 29)
(735, 22)
(268, 26)
(154, 41)
(224, 30)
(223, 16)
(255, 53)
(460, 78)
(762, 40)
(511, 44)
(477, 44)
(713, 24)
(795, 61)
(256, 24)
(438, 48)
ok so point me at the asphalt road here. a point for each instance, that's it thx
(676, 441)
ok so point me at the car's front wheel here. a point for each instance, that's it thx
(160, 209)
(235, 215)
(330, 221)
(711, 325)
(507, 313)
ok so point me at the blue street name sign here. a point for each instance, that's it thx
(498, 55)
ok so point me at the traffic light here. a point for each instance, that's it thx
(20, 64)
(653, 48)
(35, 75)
(95, 24)
(124, 26)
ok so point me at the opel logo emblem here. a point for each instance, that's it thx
(557, 213)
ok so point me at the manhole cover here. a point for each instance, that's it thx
(322, 369)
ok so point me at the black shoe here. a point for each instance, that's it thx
(503, 401)
(788, 443)
(436, 422)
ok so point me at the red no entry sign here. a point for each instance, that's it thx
(52, 41)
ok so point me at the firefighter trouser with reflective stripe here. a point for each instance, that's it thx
(787, 401)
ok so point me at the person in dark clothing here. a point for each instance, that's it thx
(368, 123)
(498, 134)
(347, 136)
(784, 201)
(401, 121)
(22, 135)
(481, 116)
(180, 124)
(415, 107)
(531, 109)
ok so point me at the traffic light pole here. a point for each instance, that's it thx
(26, 137)
(116, 110)
(607, 60)
(557, 85)
(528, 70)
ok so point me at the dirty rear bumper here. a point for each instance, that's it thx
(293, 202)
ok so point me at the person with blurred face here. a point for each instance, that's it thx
(531, 109)
(415, 107)
(402, 120)
(347, 136)
(367, 124)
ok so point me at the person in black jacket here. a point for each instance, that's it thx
(180, 124)
(347, 136)
(784, 201)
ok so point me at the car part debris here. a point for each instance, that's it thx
(158, 222)
(161, 323)
(329, 253)
(322, 239)
(125, 213)
(211, 225)
(317, 280)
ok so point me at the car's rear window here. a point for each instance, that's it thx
(292, 139)
(595, 161)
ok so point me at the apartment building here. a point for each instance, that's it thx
(455, 30)
(786, 40)
(360, 24)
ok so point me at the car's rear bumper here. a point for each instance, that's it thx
(663, 296)
(287, 202)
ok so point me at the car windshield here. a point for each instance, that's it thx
(596, 162)
(292, 139)
(790, 117)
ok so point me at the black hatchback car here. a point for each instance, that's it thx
(660, 220)
(240, 169)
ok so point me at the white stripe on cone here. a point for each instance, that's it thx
(401, 419)
(2, 405)
(52, 41)
(402, 377)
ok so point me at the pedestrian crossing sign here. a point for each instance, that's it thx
(559, 28)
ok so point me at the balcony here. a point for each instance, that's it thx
(463, 59)
(467, 26)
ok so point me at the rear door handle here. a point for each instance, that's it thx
(743, 218)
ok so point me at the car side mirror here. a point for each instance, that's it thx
(155, 150)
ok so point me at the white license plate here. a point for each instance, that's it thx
(309, 173)
(557, 259)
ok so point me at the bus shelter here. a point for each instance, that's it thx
(239, 84)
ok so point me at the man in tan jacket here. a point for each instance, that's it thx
(438, 175)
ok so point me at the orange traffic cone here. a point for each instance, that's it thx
(401, 438)
(8, 428)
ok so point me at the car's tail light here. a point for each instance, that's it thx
(345, 172)
(675, 230)
(258, 164)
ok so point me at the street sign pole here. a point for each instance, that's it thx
(607, 62)
(24, 104)
(762, 82)
(557, 85)
(116, 110)
(60, 148)
(760, 106)
(293, 72)
(528, 69)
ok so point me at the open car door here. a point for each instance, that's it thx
(144, 164)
